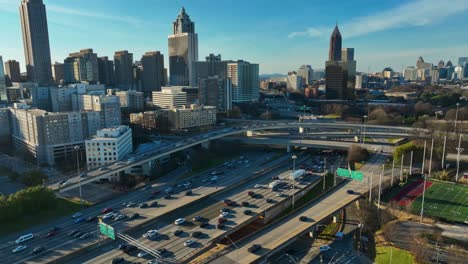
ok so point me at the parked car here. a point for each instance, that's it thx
(303, 218)
(178, 232)
(198, 218)
(196, 234)
(143, 205)
(154, 204)
(117, 260)
(189, 192)
(245, 203)
(134, 216)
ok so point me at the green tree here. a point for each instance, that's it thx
(33, 178)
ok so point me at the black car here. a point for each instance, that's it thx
(196, 234)
(168, 196)
(247, 212)
(38, 250)
(224, 209)
(350, 191)
(178, 232)
(134, 216)
(270, 201)
(73, 232)
(254, 248)
(220, 226)
(130, 248)
(122, 247)
(245, 204)
(154, 204)
(189, 192)
(204, 224)
(162, 251)
(91, 219)
(117, 260)
(303, 218)
(143, 205)
(197, 218)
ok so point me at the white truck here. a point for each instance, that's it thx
(274, 184)
(297, 174)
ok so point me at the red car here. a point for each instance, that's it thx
(51, 233)
(106, 210)
(221, 220)
(155, 192)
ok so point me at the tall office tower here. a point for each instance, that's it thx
(123, 69)
(420, 64)
(441, 64)
(411, 73)
(306, 72)
(244, 80)
(212, 66)
(183, 50)
(335, 45)
(36, 41)
(347, 54)
(137, 74)
(462, 61)
(3, 93)
(215, 91)
(294, 81)
(85, 66)
(58, 72)
(106, 71)
(152, 78)
(12, 72)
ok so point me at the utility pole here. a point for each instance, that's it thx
(401, 167)
(443, 152)
(424, 158)
(430, 159)
(423, 196)
(411, 164)
(370, 187)
(393, 170)
(459, 151)
(77, 149)
(294, 157)
(380, 186)
(364, 135)
(325, 174)
(456, 120)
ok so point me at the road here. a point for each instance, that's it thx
(62, 244)
(175, 244)
(284, 230)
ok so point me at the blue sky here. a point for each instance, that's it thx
(280, 35)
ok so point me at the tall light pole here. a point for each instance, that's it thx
(77, 149)
(411, 164)
(364, 132)
(430, 157)
(456, 119)
(401, 167)
(423, 196)
(237, 249)
(294, 157)
(380, 186)
(443, 152)
(370, 187)
(393, 170)
(325, 173)
(459, 151)
(424, 158)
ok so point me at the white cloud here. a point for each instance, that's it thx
(413, 14)
(310, 32)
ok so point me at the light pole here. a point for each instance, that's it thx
(77, 149)
(364, 132)
(411, 163)
(370, 187)
(423, 196)
(380, 186)
(237, 249)
(430, 157)
(325, 174)
(459, 151)
(401, 167)
(393, 171)
(294, 157)
(424, 158)
(443, 152)
(456, 119)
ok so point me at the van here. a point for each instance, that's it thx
(23, 238)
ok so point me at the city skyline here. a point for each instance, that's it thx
(295, 41)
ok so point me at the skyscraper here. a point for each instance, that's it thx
(335, 45)
(306, 72)
(183, 50)
(85, 65)
(58, 72)
(12, 72)
(245, 81)
(123, 65)
(462, 61)
(152, 78)
(212, 66)
(215, 91)
(106, 71)
(3, 94)
(36, 41)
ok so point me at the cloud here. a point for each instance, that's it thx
(417, 13)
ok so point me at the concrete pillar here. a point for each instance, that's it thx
(205, 145)
(249, 133)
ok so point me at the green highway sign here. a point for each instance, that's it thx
(355, 175)
(106, 230)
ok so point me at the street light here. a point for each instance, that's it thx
(364, 135)
(459, 151)
(77, 149)
(456, 119)
(237, 249)
(294, 157)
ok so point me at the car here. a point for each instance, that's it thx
(85, 235)
(91, 218)
(189, 192)
(167, 196)
(51, 233)
(245, 203)
(142, 254)
(270, 200)
(220, 226)
(129, 248)
(350, 192)
(303, 218)
(135, 216)
(83, 175)
(78, 234)
(196, 234)
(188, 242)
(154, 204)
(247, 212)
(62, 182)
(65, 183)
(151, 233)
(214, 178)
(256, 186)
(178, 232)
(103, 168)
(106, 210)
(80, 220)
(251, 194)
(204, 224)
(130, 204)
(76, 215)
(254, 248)
(143, 205)
(222, 220)
(156, 192)
(224, 214)
(19, 248)
(73, 232)
(108, 216)
(224, 209)
(324, 248)
(120, 217)
(161, 251)
(279, 194)
(38, 250)
(179, 221)
(197, 218)
(122, 246)
(117, 260)
(275, 178)
(169, 190)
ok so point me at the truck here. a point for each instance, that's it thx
(297, 174)
(274, 184)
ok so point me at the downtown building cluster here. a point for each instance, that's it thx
(52, 109)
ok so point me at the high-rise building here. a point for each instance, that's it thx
(36, 41)
(245, 81)
(132, 100)
(347, 54)
(294, 81)
(441, 64)
(3, 93)
(387, 73)
(85, 66)
(434, 73)
(58, 73)
(123, 68)
(420, 64)
(12, 72)
(152, 78)
(462, 61)
(212, 66)
(336, 79)
(106, 71)
(195, 116)
(335, 45)
(215, 91)
(107, 106)
(61, 98)
(411, 73)
(170, 97)
(183, 50)
(306, 72)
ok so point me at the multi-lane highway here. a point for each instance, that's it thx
(61, 243)
(282, 232)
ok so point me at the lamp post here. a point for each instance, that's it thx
(237, 249)
(77, 149)
(364, 132)
(456, 119)
(294, 157)
(459, 151)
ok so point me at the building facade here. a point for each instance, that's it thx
(306, 72)
(58, 73)
(152, 78)
(132, 101)
(170, 97)
(123, 70)
(84, 65)
(192, 117)
(12, 72)
(411, 73)
(294, 81)
(215, 91)
(36, 41)
(3, 93)
(107, 106)
(212, 66)
(106, 71)
(244, 80)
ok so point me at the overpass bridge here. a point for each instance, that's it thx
(120, 166)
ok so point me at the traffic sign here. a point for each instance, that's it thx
(355, 175)
(106, 230)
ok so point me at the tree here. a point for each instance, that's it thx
(378, 116)
(357, 154)
(33, 178)
(462, 114)
(423, 108)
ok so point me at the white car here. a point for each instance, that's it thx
(324, 248)
(76, 215)
(224, 214)
(120, 217)
(179, 221)
(23, 238)
(257, 186)
(150, 233)
(107, 216)
(130, 204)
(214, 178)
(188, 242)
(19, 248)
(142, 254)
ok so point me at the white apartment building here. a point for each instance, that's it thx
(194, 116)
(108, 146)
(170, 97)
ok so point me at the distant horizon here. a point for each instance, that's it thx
(384, 34)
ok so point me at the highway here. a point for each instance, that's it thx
(120, 166)
(282, 232)
(61, 244)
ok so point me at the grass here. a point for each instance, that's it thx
(444, 200)
(329, 231)
(397, 256)
(394, 140)
(64, 207)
